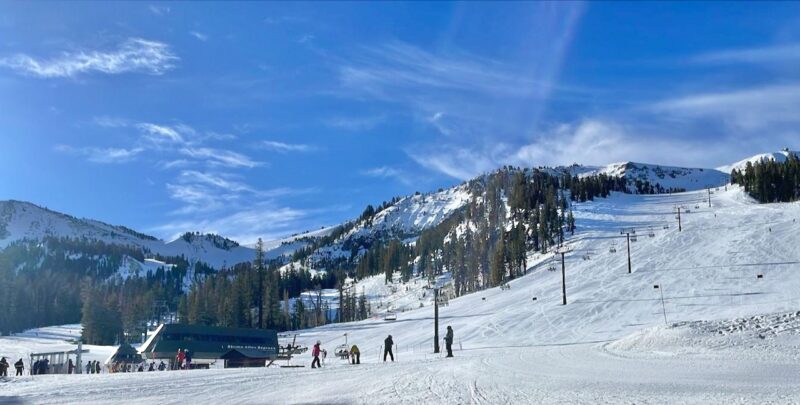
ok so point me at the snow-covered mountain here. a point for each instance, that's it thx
(668, 177)
(22, 220)
(405, 217)
(780, 156)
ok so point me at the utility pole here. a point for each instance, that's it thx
(436, 320)
(679, 219)
(663, 308)
(628, 236)
(563, 280)
(709, 197)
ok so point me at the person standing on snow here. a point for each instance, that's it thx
(179, 359)
(188, 358)
(448, 341)
(387, 348)
(20, 366)
(315, 352)
(4, 367)
(355, 355)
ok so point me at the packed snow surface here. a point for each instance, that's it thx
(729, 336)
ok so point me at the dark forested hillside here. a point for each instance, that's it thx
(770, 181)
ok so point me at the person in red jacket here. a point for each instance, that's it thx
(315, 352)
(179, 359)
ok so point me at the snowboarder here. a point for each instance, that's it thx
(3, 367)
(355, 355)
(387, 348)
(448, 341)
(315, 352)
(20, 366)
(152, 366)
(162, 366)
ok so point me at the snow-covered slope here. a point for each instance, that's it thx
(780, 156)
(609, 344)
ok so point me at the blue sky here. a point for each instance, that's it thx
(265, 119)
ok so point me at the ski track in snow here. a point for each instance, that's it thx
(609, 345)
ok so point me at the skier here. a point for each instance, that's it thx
(188, 358)
(355, 355)
(89, 367)
(387, 348)
(152, 366)
(35, 368)
(448, 341)
(70, 367)
(162, 366)
(179, 359)
(315, 352)
(20, 366)
(3, 367)
(97, 366)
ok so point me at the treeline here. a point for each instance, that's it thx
(769, 181)
(66, 280)
(260, 295)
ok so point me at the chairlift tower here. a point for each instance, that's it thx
(562, 252)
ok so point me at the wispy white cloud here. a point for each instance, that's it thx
(356, 123)
(401, 65)
(110, 122)
(160, 134)
(199, 35)
(266, 220)
(306, 39)
(102, 155)
(221, 157)
(135, 55)
(159, 10)
(387, 172)
(459, 162)
(743, 109)
(284, 147)
(588, 142)
(785, 53)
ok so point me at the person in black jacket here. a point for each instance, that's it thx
(20, 366)
(387, 348)
(448, 341)
(4, 367)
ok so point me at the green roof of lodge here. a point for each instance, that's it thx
(208, 341)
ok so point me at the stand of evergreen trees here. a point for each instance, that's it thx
(770, 181)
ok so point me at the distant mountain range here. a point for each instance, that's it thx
(402, 217)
